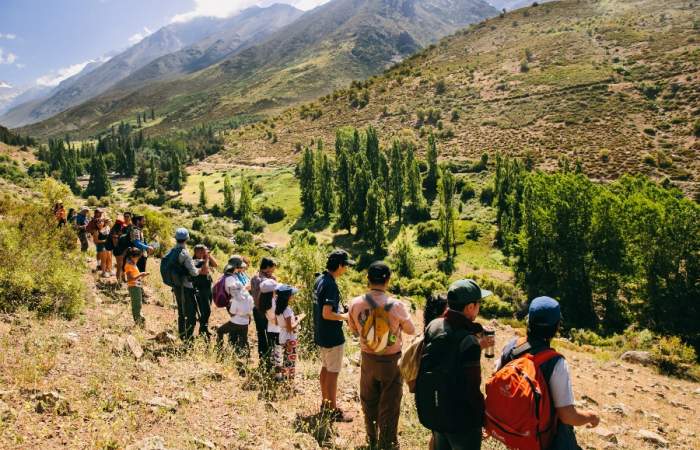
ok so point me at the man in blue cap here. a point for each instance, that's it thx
(544, 319)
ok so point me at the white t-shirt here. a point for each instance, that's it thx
(559, 384)
(272, 326)
(286, 335)
(241, 308)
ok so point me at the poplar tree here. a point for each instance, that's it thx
(325, 193)
(202, 195)
(360, 187)
(307, 183)
(176, 177)
(130, 152)
(153, 174)
(344, 189)
(138, 120)
(414, 179)
(142, 178)
(447, 214)
(153, 114)
(396, 182)
(99, 184)
(431, 178)
(372, 151)
(375, 218)
(245, 205)
(229, 205)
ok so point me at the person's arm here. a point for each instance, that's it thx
(406, 324)
(143, 274)
(571, 416)
(328, 314)
(187, 261)
(212, 261)
(289, 324)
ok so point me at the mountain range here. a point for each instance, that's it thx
(224, 75)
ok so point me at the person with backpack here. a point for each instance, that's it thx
(379, 321)
(328, 330)
(133, 279)
(118, 252)
(240, 309)
(81, 222)
(137, 240)
(511, 409)
(267, 269)
(177, 269)
(104, 253)
(448, 395)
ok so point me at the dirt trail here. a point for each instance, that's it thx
(107, 398)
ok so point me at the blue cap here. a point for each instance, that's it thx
(286, 289)
(544, 311)
(181, 234)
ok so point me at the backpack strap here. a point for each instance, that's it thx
(370, 301)
(542, 357)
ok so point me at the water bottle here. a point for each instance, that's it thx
(489, 351)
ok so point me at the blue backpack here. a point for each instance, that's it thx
(172, 272)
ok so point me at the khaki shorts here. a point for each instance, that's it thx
(332, 358)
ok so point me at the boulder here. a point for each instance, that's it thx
(653, 438)
(605, 434)
(618, 409)
(637, 357)
(134, 346)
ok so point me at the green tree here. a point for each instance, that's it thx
(326, 200)
(360, 187)
(396, 180)
(176, 177)
(153, 114)
(99, 184)
(431, 178)
(245, 204)
(202, 195)
(375, 218)
(447, 214)
(142, 178)
(153, 182)
(372, 151)
(307, 181)
(344, 176)
(403, 255)
(229, 202)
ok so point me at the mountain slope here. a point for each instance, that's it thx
(193, 36)
(324, 49)
(616, 84)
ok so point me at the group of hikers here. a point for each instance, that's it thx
(529, 402)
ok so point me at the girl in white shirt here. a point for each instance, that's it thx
(240, 310)
(287, 322)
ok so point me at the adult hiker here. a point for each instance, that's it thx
(202, 286)
(81, 223)
(240, 310)
(448, 396)
(104, 255)
(328, 330)
(266, 272)
(91, 228)
(118, 251)
(380, 320)
(544, 320)
(177, 270)
(138, 241)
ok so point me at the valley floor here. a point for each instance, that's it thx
(85, 384)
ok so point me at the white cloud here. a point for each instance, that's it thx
(20, 65)
(9, 36)
(5, 85)
(138, 37)
(224, 8)
(7, 58)
(54, 77)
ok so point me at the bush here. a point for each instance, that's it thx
(272, 213)
(158, 228)
(473, 232)
(486, 196)
(428, 234)
(673, 357)
(254, 224)
(696, 128)
(243, 238)
(198, 224)
(493, 306)
(468, 192)
(417, 214)
(403, 256)
(428, 283)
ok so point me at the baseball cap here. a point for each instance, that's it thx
(544, 311)
(181, 234)
(84, 208)
(268, 285)
(235, 262)
(463, 292)
(286, 289)
(378, 271)
(341, 257)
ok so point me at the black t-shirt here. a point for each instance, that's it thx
(327, 333)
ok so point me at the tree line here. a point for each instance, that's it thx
(614, 254)
(366, 188)
(12, 138)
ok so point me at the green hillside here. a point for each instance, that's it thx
(323, 50)
(614, 84)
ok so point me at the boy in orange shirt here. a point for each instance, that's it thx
(133, 279)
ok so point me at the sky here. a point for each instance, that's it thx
(43, 42)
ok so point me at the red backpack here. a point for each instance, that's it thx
(221, 298)
(519, 409)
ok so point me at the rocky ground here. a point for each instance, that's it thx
(99, 382)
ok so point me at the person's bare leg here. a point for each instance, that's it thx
(332, 389)
(323, 379)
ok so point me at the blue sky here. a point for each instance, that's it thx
(45, 41)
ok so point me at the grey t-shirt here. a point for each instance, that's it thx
(186, 260)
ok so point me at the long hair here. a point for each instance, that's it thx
(266, 300)
(435, 306)
(282, 302)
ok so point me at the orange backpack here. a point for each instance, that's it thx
(519, 409)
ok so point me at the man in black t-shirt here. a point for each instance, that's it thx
(328, 329)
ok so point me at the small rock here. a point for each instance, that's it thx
(605, 434)
(636, 357)
(680, 405)
(611, 393)
(654, 438)
(653, 417)
(697, 391)
(162, 402)
(149, 443)
(589, 399)
(134, 346)
(71, 338)
(184, 397)
(618, 409)
(203, 443)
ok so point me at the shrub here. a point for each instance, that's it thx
(468, 192)
(440, 86)
(486, 196)
(403, 256)
(417, 214)
(428, 234)
(426, 284)
(493, 306)
(92, 201)
(272, 213)
(243, 238)
(473, 232)
(158, 228)
(673, 357)
(198, 224)
(696, 128)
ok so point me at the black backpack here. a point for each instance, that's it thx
(439, 384)
(172, 272)
(124, 241)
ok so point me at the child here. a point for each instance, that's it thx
(133, 279)
(268, 302)
(240, 310)
(287, 322)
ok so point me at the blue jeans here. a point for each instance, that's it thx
(469, 440)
